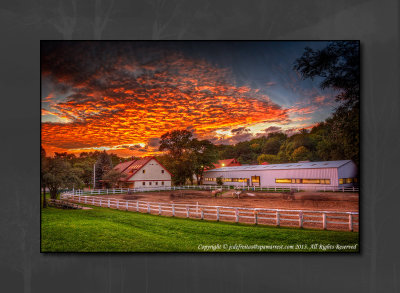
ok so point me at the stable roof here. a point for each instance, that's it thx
(286, 166)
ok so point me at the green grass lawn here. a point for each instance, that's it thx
(104, 230)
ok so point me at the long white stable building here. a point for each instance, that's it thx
(307, 174)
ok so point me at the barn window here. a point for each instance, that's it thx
(162, 171)
(279, 180)
(144, 171)
(149, 183)
(162, 182)
(349, 180)
(143, 183)
(156, 183)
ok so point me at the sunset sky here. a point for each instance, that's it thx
(122, 96)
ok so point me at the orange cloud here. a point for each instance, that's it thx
(126, 102)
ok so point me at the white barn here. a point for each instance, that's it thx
(143, 173)
(303, 174)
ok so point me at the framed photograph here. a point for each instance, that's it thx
(200, 146)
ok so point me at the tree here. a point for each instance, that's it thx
(43, 169)
(176, 142)
(203, 156)
(339, 67)
(272, 159)
(219, 181)
(60, 174)
(103, 166)
(112, 177)
(273, 143)
(301, 154)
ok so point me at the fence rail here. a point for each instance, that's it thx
(275, 217)
(212, 187)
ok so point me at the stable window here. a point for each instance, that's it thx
(144, 171)
(162, 182)
(149, 183)
(349, 180)
(143, 183)
(311, 181)
(283, 180)
(162, 171)
(341, 181)
(156, 183)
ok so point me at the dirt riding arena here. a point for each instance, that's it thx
(327, 201)
(332, 211)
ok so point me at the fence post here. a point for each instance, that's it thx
(187, 212)
(100, 202)
(148, 208)
(278, 218)
(237, 215)
(108, 202)
(324, 221)
(202, 214)
(217, 213)
(173, 210)
(351, 222)
(301, 220)
(85, 199)
(126, 204)
(117, 204)
(137, 206)
(159, 209)
(255, 217)
(113, 190)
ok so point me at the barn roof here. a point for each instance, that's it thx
(130, 168)
(226, 162)
(286, 166)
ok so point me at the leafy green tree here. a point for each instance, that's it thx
(43, 170)
(219, 181)
(176, 142)
(273, 143)
(301, 154)
(178, 159)
(338, 65)
(103, 165)
(60, 174)
(203, 156)
(271, 159)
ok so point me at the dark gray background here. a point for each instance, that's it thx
(24, 23)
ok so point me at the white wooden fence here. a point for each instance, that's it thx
(211, 187)
(327, 220)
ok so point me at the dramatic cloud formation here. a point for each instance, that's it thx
(119, 97)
